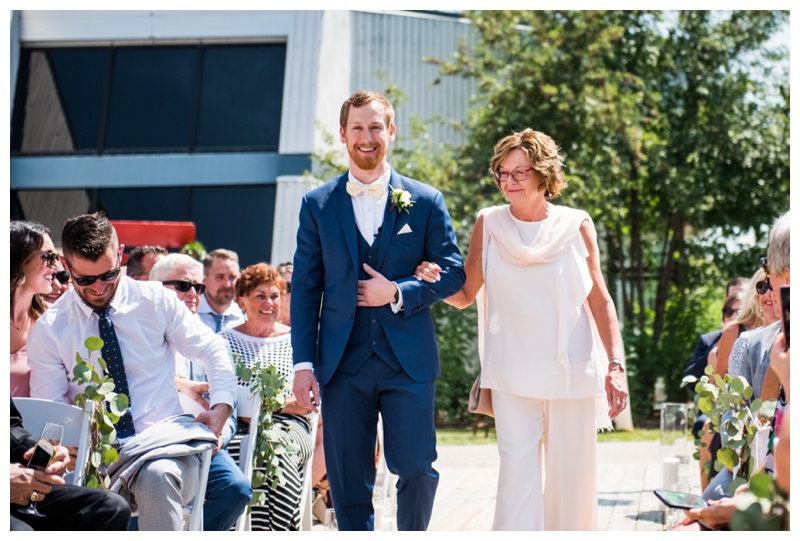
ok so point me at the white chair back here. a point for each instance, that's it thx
(36, 412)
(306, 496)
(193, 513)
(247, 405)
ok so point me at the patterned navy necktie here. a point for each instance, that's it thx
(220, 319)
(116, 370)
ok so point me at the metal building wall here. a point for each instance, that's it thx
(395, 43)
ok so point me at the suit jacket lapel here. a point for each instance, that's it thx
(344, 206)
(389, 217)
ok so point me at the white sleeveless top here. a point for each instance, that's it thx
(536, 335)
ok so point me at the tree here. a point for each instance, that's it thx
(671, 130)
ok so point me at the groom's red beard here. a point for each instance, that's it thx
(367, 163)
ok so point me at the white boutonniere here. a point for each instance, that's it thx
(401, 199)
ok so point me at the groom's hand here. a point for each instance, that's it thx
(305, 389)
(377, 291)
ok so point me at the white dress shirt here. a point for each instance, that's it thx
(368, 210)
(151, 323)
(233, 315)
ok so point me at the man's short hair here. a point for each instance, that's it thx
(137, 255)
(360, 99)
(739, 281)
(778, 251)
(88, 236)
(219, 253)
(165, 266)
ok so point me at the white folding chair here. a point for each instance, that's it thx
(36, 412)
(193, 513)
(306, 497)
(247, 405)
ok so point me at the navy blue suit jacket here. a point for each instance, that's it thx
(325, 277)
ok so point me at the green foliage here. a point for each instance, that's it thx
(195, 249)
(106, 409)
(762, 507)
(271, 442)
(675, 136)
(456, 331)
(735, 415)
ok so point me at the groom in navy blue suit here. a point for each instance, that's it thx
(362, 333)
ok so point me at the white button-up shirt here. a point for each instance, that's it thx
(368, 210)
(149, 321)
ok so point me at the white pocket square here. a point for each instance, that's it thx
(403, 230)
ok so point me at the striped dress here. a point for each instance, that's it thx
(281, 510)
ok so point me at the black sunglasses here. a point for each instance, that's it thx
(62, 276)
(89, 280)
(183, 286)
(50, 258)
(729, 312)
(764, 285)
(288, 287)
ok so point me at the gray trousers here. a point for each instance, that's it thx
(161, 488)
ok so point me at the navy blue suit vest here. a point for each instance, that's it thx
(368, 336)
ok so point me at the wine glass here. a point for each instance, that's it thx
(43, 455)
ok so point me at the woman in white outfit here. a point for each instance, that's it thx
(549, 340)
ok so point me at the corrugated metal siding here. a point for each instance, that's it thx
(395, 44)
(300, 82)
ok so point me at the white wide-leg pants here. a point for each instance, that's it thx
(560, 435)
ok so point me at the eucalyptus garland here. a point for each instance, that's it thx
(735, 415)
(270, 441)
(106, 409)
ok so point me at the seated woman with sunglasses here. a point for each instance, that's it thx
(757, 309)
(61, 282)
(33, 269)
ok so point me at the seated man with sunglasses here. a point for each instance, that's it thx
(142, 325)
(228, 491)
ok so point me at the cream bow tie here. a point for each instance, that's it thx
(376, 189)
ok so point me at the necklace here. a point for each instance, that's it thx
(23, 323)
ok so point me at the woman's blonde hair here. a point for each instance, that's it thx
(542, 154)
(751, 315)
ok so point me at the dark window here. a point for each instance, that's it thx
(240, 98)
(238, 218)
(149, 99)
(152, 105)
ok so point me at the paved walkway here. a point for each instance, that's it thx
(627, 475)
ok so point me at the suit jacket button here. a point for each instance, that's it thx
(374, 344)
(374, 321)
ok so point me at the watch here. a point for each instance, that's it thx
(615, 360)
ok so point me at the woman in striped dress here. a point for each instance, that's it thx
(259, 342)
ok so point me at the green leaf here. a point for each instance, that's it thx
(82, 373)
(727, 457)
(94, 343)
(761, 485)
(119, 404)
